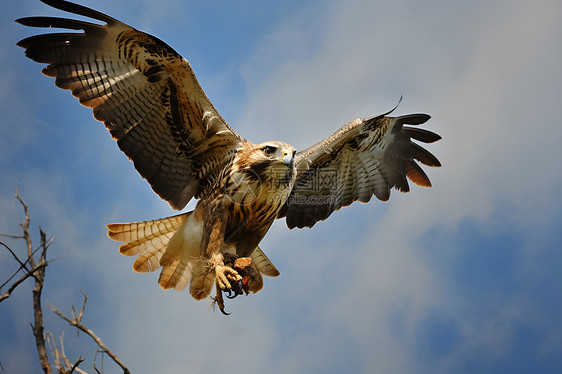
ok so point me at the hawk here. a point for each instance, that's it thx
(149, 99)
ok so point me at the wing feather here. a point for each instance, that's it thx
(365, 157)
(364, 191)
(144, 92)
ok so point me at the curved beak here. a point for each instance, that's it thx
(288, 157)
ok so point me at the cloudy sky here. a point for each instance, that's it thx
(460, 278)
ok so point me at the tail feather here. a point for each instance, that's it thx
(171, 243)
(140, 246)
(264, 264)
(181, 253)
(148, 239)
(149, 259)
(176, 273)
(145, 230)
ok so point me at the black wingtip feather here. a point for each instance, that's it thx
(421, 135)
(413, 119)
(424, 156)
(46, 48)
(57, 22)
(67, 6)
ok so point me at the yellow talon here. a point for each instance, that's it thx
(224, 274)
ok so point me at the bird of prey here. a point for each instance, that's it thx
(149, 99)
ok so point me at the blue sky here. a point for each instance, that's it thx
(459, 278)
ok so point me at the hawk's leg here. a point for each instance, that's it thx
(211, 248)
(213, 242)
(220, 301)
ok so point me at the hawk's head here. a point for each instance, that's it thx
(269, 161)
(262, 170)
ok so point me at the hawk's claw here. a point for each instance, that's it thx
(223, 312)
(236, 289)
(228, 294)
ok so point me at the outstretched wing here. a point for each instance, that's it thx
(365, 157)
(144, 92)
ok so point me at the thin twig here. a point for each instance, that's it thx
(76, 321)
(75, 366)
(12, 236)
(22, 264)
(62, 363)
(31, 273)
(25, 227)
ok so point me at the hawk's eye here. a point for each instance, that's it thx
(269, 150)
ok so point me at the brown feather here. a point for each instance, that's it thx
(145, 93)
(370, 156)
(417, 175)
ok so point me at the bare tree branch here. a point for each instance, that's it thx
(34, 267)
(37, 326)
(76, 321)
(37, 271)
